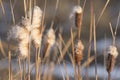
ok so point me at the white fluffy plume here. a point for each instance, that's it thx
(36, 34)
(79, 47)
(51, 37)
(23, 49)
(76, 9)
(20, 34)
(36, 15)
(36, 37)
(113, 51)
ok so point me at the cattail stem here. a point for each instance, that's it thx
(79, 31)
(28, 59)
(13, 17)
(36, 64)
(9, 58)
(79, 75)
(45, 52)
(75, 72)
(109, 76)
(24, 68)
(20, 68)
(90, 37)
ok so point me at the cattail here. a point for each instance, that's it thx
(49, 42)
(78, 52)
(112, 55)
(77, 14)
(25, 22)
(36, 15)
(36, 32)
(21, 35)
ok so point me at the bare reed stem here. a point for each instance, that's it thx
(56, 7)
(37, 64)
(10, 71)
(103, 11)
(95, 52)
(24, 68)
(11, 7)
(25, 8)
(79, 69)
(109, 76)
(3, 10)
(20, 68)
(90, 36)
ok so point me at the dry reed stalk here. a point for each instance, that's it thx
(113, 35)
(20, 68)
(56, 7)
(78, 51)
(118, 19)
(2, 49)
(73, 58)
(67, 45)
(3, 10)
(106, 4)
(65, 68)
(37, 65)
(87, 62)
(95, 50)
(25, 8)
(104, 54)
(28, 60)
(90, 36)
(24, 69)
(51, 69)
(46, 69)
(44, 13)
(63, 77)
(11, 7)
(9, 67)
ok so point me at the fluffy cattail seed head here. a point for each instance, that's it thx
(18, 33)
(36, 15)
(21, 35)
(51, 37)
(112, 55)
(23, 49)
(25, 22)
(36, 37)
(78, 52)
(77, 14)
(113, 51)
(49, 42)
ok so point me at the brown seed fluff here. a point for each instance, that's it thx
(110, 63)
(78, 52)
